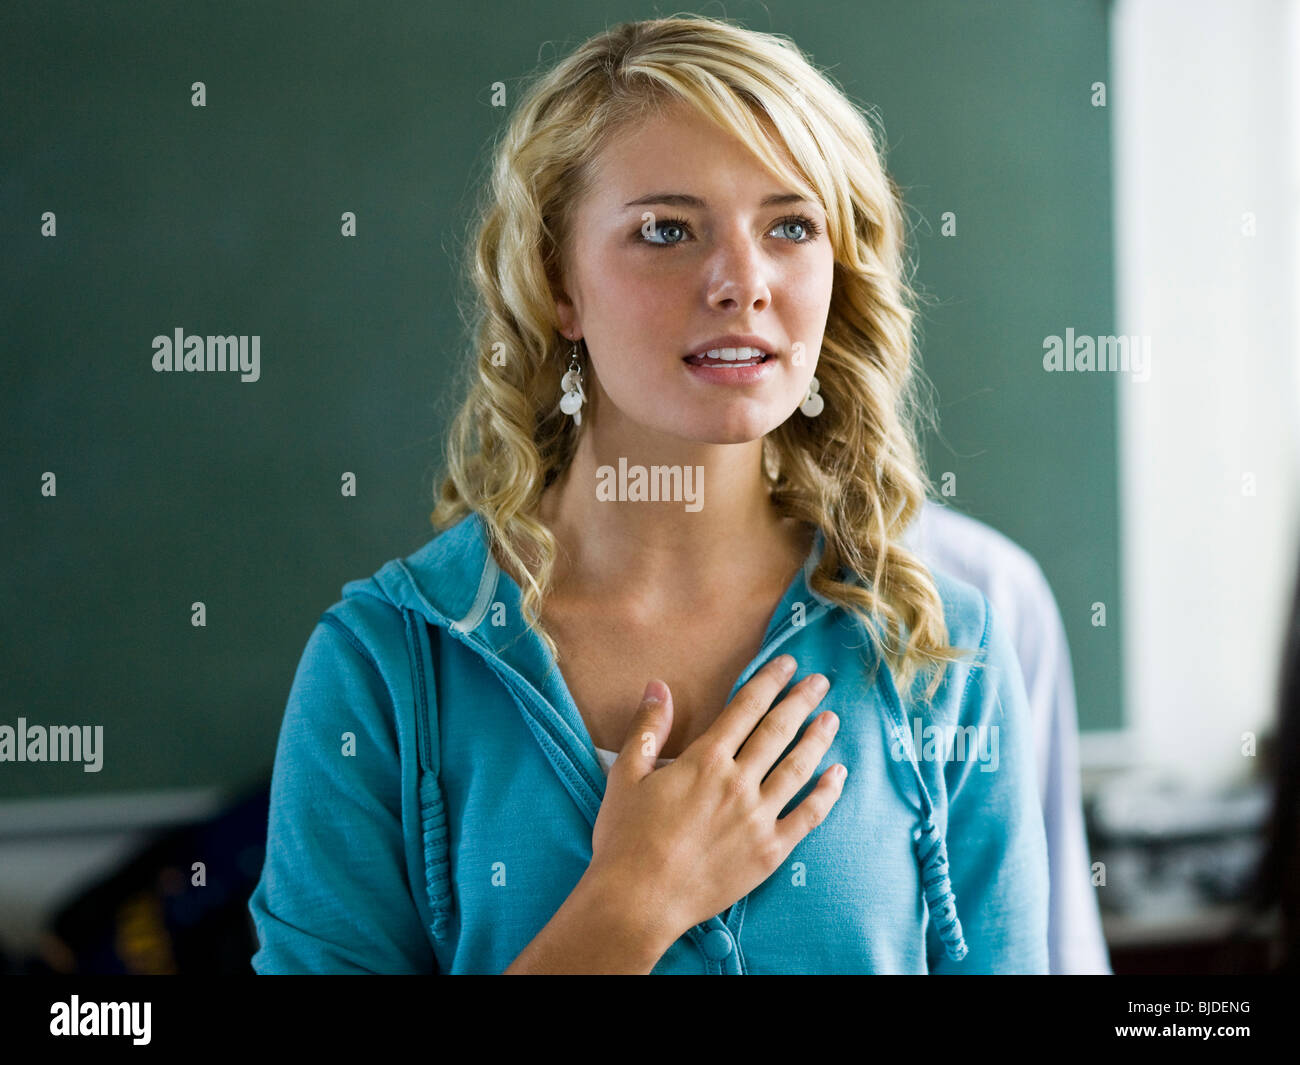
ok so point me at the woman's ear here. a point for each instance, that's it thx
(567, 316)
(565, 312)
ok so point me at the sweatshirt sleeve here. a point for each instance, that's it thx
(997, 849)
(334, 895)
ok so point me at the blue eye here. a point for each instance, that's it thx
(800, 223)
(675, 223)
(810, 228)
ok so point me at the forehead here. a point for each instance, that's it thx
(683, 151)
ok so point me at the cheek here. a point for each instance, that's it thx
(630, 285)
(641, 312)
(809, 297)
(813, 283)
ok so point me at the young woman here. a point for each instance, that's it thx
(562, 736)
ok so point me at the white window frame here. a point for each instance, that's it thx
(1205, 108)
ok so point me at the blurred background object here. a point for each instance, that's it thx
(177, 906)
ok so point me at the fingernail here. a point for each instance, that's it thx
(651, 694)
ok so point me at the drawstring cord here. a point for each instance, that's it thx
(437, 865)
(433, 807)
(932, 857)
(932, 853)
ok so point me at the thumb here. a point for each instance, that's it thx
(649, 730)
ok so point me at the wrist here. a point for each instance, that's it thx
(618, 913)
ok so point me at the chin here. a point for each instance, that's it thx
(736, 430)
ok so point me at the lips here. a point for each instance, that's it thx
(735, 373)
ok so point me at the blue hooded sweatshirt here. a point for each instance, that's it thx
(435, 789)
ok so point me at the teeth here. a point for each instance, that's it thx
(733, 354)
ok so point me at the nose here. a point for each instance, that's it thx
(738, 277)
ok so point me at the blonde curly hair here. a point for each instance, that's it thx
(854, 471)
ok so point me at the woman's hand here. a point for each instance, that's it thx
(689, 839)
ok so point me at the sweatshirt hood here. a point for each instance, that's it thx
(447, 581)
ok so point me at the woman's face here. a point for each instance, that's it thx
(721, 252)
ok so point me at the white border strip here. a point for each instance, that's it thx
(123, 812)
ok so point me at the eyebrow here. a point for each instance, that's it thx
(679, 199)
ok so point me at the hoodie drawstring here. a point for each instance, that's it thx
(433, 809)
(437, 865)
(932, 853)
(930, 847)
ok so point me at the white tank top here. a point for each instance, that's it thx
(607, 759)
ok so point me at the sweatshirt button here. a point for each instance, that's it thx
(717, 945)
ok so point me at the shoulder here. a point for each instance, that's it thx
(977, 628)
(437, 582)
(967, 611)
(372, 624)
(362, 638)
(352, 679)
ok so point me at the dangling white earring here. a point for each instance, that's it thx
(812, 403)
(573, 398)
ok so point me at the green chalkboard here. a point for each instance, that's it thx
(182, 488)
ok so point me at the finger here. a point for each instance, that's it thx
(647, 733)
(739, 716)
(812, 811)
(798, 767)
(776, 731)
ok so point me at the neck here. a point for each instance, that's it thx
(658, 554)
